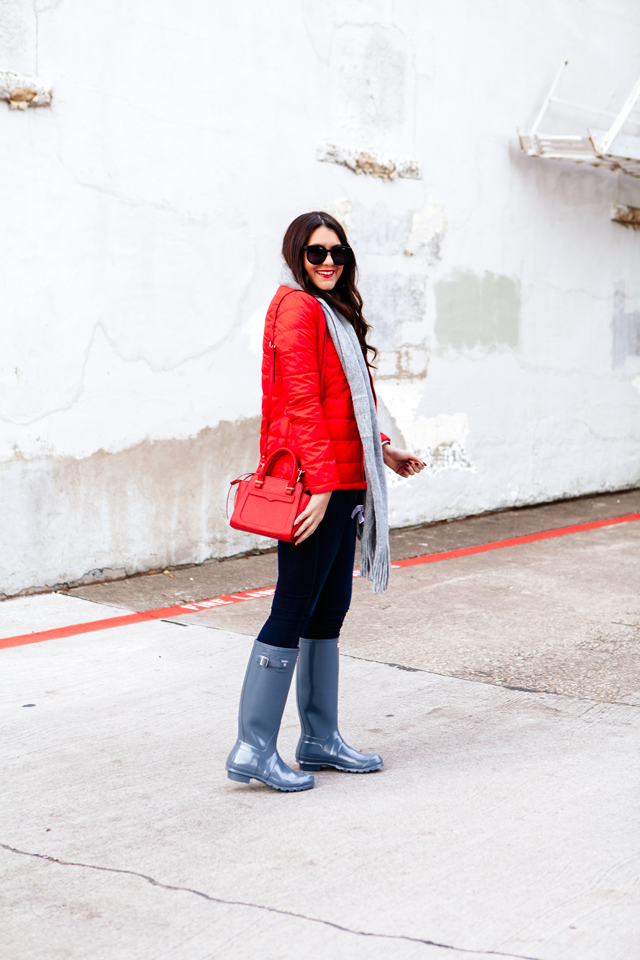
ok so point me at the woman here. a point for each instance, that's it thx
(322, 404)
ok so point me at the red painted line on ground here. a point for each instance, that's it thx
(180, 609)
(230, 598)
(515, 541)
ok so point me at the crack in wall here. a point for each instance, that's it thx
(99, 327)
(36, 14)
(161, 206)
(260, 906)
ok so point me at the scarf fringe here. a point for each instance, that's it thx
(377, 568)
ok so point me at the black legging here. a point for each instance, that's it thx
(315, 579)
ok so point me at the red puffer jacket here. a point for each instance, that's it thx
(311, 408)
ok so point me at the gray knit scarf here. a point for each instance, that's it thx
(375, 563)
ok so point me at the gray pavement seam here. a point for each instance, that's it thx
(260, 906)
(502, 686)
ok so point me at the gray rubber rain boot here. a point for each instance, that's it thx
(320, 744)
(264, 694)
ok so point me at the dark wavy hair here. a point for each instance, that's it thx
(345, 296)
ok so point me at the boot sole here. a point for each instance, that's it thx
(307, 767)
(241, 778)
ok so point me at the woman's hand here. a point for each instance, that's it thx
(401, 461)
(311, 516)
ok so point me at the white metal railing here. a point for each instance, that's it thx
(594, 148)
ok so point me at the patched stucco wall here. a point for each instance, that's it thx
(142, 217)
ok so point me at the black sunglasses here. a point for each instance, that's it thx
(317, 254)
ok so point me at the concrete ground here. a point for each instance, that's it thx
(505, 821)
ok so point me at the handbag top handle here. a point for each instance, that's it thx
(272, 379)
(263, 470)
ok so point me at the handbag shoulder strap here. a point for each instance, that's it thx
(272, 375)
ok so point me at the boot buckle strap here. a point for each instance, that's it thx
(265, 661)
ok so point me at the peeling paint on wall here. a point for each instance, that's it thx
(379, 229)
(369, 66)
(477, 311)
(427, 229)
(156, 504)
(392, 299)
(340, 208)
(22, 91)
(440, 440)
(408, 362)
(625, 328)
(395, 307)
(626, 215)
(369, 162)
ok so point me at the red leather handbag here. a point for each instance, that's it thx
(269, 505)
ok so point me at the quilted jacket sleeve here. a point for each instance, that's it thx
(296, 339)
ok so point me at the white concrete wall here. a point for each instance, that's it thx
(142, 215)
